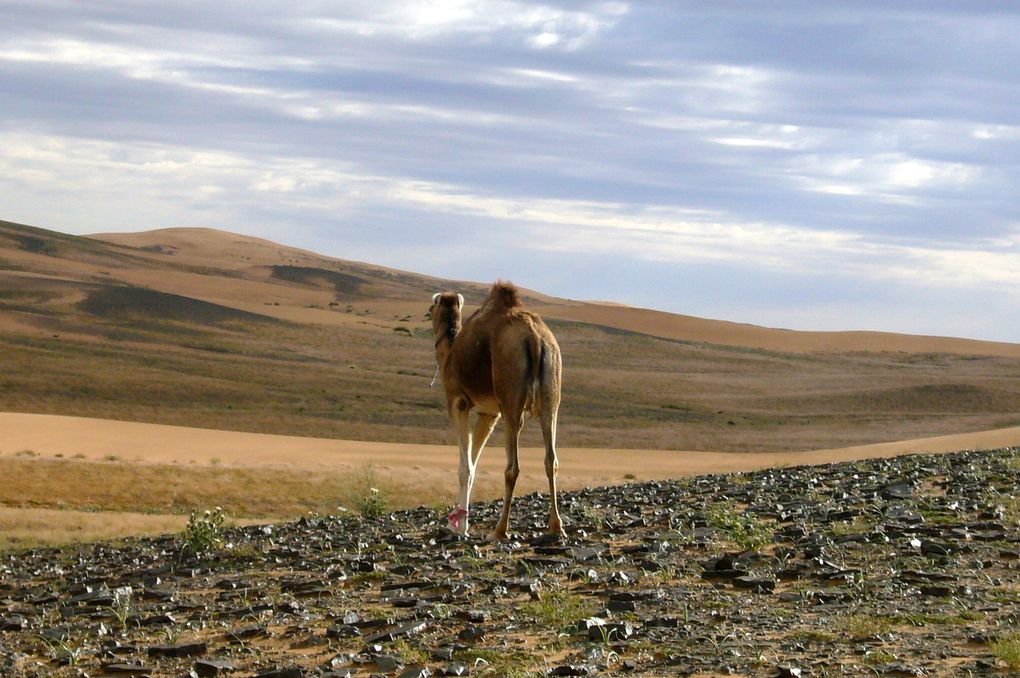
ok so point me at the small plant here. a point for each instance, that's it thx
(171, 635)
(816, 636)
(595, 517)
(559, 609)
(866, 626)
(879, 657)
(509, 662)
(204, 531)
(859, 525)
(121, 609)
(64, 650)
(1007, 649)
(748, 531)
(442, 611)
(373, 504)
(408, 652)
(370, 500)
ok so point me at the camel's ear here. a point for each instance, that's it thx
(435, 298)
(460, 301)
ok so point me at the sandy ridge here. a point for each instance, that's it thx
(97, 439)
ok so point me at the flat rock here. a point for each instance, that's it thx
(206, 668)
(179, 650)
(128, 669)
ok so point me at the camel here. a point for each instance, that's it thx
(504, 362)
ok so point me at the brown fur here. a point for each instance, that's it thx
(503, 362)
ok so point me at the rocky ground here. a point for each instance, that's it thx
(898, 567)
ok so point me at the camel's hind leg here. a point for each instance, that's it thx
(483, 429)
(512, 424)
(548, 411)
(552, 465)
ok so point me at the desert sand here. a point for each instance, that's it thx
(98, 439)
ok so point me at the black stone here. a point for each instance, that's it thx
(128, 669)
(206, 668)
(754, 584)
(287, 672)
(13, 623)
(415, 672)
(179, 650)
(471, 633)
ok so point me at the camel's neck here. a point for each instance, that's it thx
(445, 334)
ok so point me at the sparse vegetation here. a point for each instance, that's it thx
(860, 626)
(204, 531)
(65, 650)
(559, 609)
(746, 530)
(1007, 649)
(121, 609)
(508, 662)
(372, 501)
(859, 525)
(594, 518)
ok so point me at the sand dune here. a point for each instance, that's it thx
(97, 439)
(690, 328)
(209, 247)
(233, 270)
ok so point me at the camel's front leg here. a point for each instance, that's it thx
(468, 466)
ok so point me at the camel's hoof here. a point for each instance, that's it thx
(496, 536)
(457, 520)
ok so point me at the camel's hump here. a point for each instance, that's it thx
(503, 295)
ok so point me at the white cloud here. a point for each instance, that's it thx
(996, 132)
(886, 177)
(154, 175)
(538, 25)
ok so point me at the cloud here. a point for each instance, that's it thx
(824, 142)
(535, 25)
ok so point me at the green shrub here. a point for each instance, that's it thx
(1007, 649)
(745, 529)
(204, 531)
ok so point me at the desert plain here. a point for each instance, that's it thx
(146, 375)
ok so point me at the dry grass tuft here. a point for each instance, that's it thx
(172, 489)
(30, 527)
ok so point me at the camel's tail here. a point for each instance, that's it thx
(543, 376)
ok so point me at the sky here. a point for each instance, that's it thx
(802, 164)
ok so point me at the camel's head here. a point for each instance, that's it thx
(445, 314)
